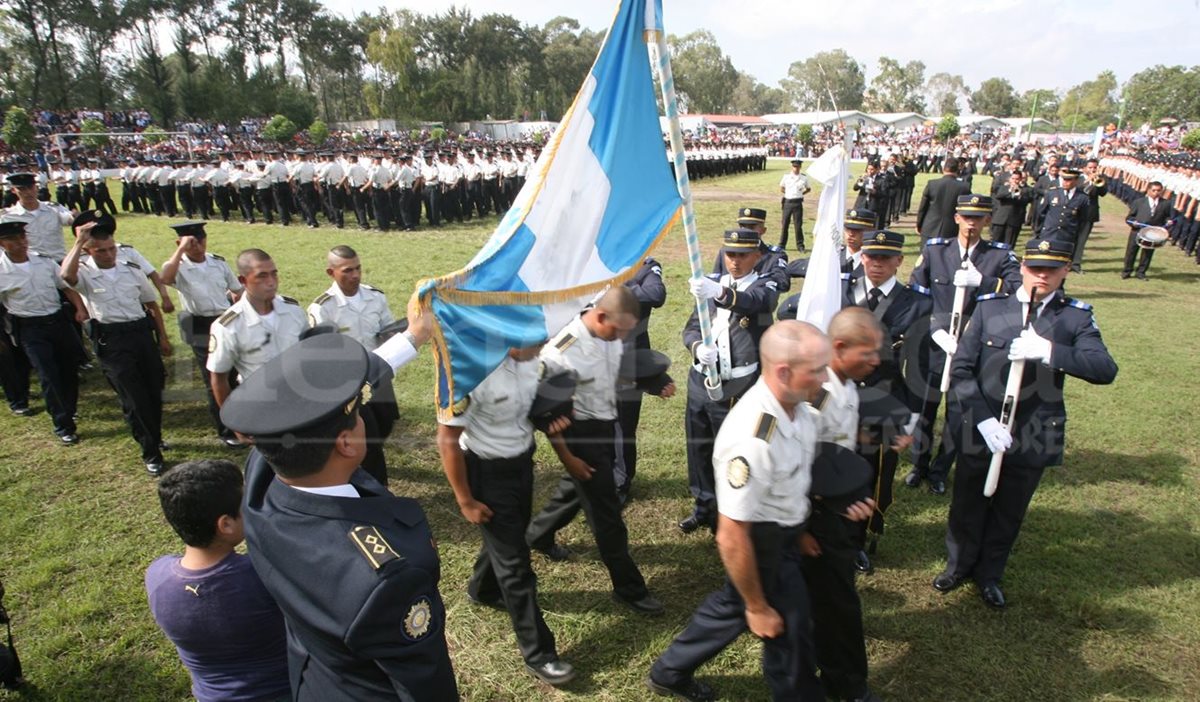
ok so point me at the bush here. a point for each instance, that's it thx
(280, 128)
(18, 129)
(318, 132)
(93, 125)
(948, 128)
(804, 134)
(437, 134)
(154, 135)
(1191, 140)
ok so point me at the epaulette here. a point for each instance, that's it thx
(322, 298)
(921, 289)
(229, 315)
(564, 342)
(217, 257)
(38, 253)
(820, 400)
(133, 265)
(124, 246)
(373, 546)
(290, 300)
(937, 241)
(774, 248)
(848, 276)
(766, 427)
(1000, 245)
(1080, 304)
(372, 288)
(991, 296)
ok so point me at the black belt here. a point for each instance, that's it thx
(123, 327)
(793, 199)
(42, 321)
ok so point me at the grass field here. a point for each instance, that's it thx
(1103, 584)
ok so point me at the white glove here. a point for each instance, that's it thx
(968, 277)
(705, 288)
(997, 437)
(706, 355)
(1029, 347)
(912, 423)
(942, 338)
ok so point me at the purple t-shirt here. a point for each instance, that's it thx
(227, 628)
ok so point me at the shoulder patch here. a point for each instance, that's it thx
(738, 473)
(1000, 245)
(564, 342)
(765, 428)
(1079, 304)
(419, 620)
(373, 546)
(322, 298)
(229, 315)
(217, 257)
(124, 246)
(848, 276)
(937, 241)
(921, 289)
(290, 300)
(991, 296)
(131, 264)
(372, 288)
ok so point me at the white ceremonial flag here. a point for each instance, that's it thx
(821, 296)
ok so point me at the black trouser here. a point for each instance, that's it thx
(841, 650)
(133, 367)
(150, 191)
(1085, 231)
(432, 194)
(502, 569)
(883, 461)
(788, 660)
(193, 330)
(982, 530)
(925, 462)
(52, 347)
(14, 372)
(129, 197)
(202, 201)
(283, 201)
(88, 197)
(793, 214)
(226, 200)
(1131, 253)
(246, 203)
(266, 203)
(308, 203)
(701, 424)
(184, 192)
(167, 194)
(592, 442)
(491, 196)
(337, 205)
(360, 200)
(378, 419)
(629, 413)
(410, 202)
(383, 215)
(403, 209)
(475, 197)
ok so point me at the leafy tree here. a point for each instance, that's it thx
(318, 132)
(18, 129)
(1191, 140)
(1163, 91)
(437, 134)
(810, 82)
(154, 134)
(995, 97)
(804, 134)
(1046, 102)
(1090, 103)
(948, 127)
(943, 92)
(753, 98)
(897, 88)
(280, 128)
(296, 105)
(704, 75)
(93, 125)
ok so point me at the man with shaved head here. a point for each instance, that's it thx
(762, 460)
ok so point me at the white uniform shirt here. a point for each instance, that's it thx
(359, 317)
(242, 339)
(794, 185)
(202, 286)
(30, 289)
(762, 460)
(838, 407)
(357, 175)
(496, 420)
(44, 230)
(489, 169)
(595, 363)
(430, 173)
(115, 294)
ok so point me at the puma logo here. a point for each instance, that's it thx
(192, 589)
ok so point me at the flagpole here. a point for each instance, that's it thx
(657, 40)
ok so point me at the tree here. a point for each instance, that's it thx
(804, 134)
(753, 98)
(154, 134)
(280, 128)
(1089, 104)
(18, 129)
(704, 75)
(897, 88)
(948, 128)
(93, 125)
(318, 132)
(1191, 140)
(810, 82)
(1046, 103)
(943, 92)
(1163, 91)
(995, 97)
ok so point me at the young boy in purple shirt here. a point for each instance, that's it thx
(209, 601)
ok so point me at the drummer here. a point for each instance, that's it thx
(1150, 211)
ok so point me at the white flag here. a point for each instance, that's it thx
(821, 296)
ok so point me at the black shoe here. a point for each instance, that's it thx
(232, 442)
(945, 582)
(692, 523)
(23, 412)
(1124, 275)
(648, 605)
(496, 603)
(862, 563)
(689, 690)
(555, 672)
(913, 479)
(992, 595)
(164, 446)
(1141, 276)
(155, 468)
(556, 552)
(937, 487)
(69, 439)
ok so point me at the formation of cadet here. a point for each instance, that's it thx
(706, 160)
(1160, 191)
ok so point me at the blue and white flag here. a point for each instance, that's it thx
(594, 205)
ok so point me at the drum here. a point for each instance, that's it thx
(1152, 237)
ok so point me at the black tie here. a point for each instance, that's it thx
(873, 296)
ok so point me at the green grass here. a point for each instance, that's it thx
(1103, 583)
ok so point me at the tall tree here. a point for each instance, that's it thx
(897, 88)
(704, 75)
(810, 82)
(1090, 103)
(1163, 91)
(1045, 100)
(944, 91)
(753, 98)
(567, 56)
(995, 97)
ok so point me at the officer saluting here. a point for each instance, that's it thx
(1060, 339)
(377, 630)
(206, 285)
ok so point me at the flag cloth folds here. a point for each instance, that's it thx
(594, 205)
(821, 296)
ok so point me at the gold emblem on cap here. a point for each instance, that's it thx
(854, 213)
(365, 393)
(97, 213)
(975, 200)
(418, 620)
(881, 237)
(733, 236)
(746, 211)
(1044, 246)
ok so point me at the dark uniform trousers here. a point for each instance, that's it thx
(308, 203)
(14, 370)
(502, 569)
(246, 203)
(133, 367)
(883, 461)
(793, 214)
(383, 208)
(193, 330)
(1131, 254)
(701, 423)
(593, 442)
(788, 661)
(360, 208)
(265, 198)
(841, 650)
(52, 347)
(629, 414)
(283, 201)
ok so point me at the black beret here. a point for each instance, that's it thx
(839, 475)
(648, 368)
(312, 383)
(555, 398)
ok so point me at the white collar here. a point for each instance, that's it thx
(343, 490)
(252, 315)
(1023, 296)
(885, 288)
(342, 299)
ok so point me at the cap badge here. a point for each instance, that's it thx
(881, 237)
(975, 200)
(1044, 246)
(733, 236)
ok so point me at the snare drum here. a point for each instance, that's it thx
(1152, 237)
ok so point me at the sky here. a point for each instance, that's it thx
(1034, 44)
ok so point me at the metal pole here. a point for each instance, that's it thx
(657, 42)
(1032, 116)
